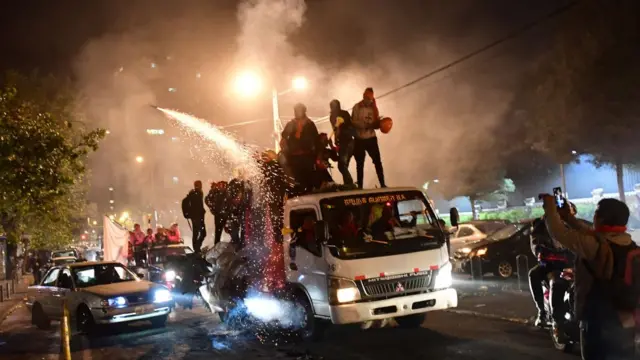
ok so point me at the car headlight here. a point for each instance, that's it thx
(342, 291)
(170, 275)
(481, 252)
(444, 279)
(116, 302)
(162, 295)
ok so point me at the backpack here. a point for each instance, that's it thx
(623, 288)
(186, 207)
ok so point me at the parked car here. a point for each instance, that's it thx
(97, 293)
(472, 231)
(63, 260)
(498, 251)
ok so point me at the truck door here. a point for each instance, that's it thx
(303, 257)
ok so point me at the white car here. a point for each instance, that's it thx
(473, 231)
(97, 293)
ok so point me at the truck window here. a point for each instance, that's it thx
(302, 222)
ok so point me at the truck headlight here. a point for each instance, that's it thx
(444, 279)
(162, 295)
(169, 275)
(116, 302)
(342, 291)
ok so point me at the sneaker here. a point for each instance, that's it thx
(541, 320)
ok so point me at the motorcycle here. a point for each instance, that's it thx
(564, 330)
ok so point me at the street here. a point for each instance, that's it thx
(197, 334)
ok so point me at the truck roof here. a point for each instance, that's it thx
(314, 198)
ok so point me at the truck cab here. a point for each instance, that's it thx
(364, 255)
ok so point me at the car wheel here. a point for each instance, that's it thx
(159, 321)
(84, 320)
(504, 270)
(411, 321)
(39, 318)
(311, 329)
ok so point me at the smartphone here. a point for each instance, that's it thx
(557, 193)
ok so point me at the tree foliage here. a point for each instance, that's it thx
(43, 149)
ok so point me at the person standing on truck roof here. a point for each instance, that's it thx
(365, 118)
(216, 201)
(301, 136)
(344, 138)
(193, 209)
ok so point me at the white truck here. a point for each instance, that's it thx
(365, 255)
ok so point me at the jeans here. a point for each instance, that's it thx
(344, 157)
(199, 233)
(360, 149)
(302, 167)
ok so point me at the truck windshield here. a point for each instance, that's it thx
(380, 224)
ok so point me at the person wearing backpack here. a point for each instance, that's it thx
(606, 295)
(193, 209)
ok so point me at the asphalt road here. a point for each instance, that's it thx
(197, 334)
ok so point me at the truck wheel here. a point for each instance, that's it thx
(39, 318)
(411, 321)
(311, 329)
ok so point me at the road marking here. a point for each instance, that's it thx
(490, 316)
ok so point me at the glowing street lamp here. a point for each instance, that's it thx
(139, 159)
(248, 84)
(299, 83)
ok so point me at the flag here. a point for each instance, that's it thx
(115, 242)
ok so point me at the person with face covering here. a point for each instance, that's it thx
(300, 137)
(344, 133)
(366, 119)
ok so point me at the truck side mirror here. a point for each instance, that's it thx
(454, 217)
(321, 232)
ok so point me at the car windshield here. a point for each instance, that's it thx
(380, 224)
(101, 274)
(65, 253)
(490, 227)
(159, 255)
(506, 232)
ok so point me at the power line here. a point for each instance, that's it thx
(476, 52)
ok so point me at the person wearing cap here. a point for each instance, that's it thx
(300, 137)
(344, 132)
(194, 205)
(366, 119)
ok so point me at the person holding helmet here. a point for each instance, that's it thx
(543, 244)
(301, 136)
(366, 119)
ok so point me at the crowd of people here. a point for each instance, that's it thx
(140, 240)
(301, 166)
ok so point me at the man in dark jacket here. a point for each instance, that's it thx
(216, 201)
(344, 138)
(194, 205)
(301, 136)
(238, 198)
(366, 119)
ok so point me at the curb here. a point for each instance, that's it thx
(5, 314)
(516, 320)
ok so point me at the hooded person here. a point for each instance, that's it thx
(193, 209)
(344, 138)
(300, 136)
(365, 118)
(216, 201)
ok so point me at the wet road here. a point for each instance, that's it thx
(196, 334)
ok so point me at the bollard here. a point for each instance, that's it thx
(65, 347)
(476, 268)
(1, 293)
(522, 263)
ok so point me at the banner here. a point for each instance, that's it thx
(115, 242)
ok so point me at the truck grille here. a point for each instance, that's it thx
(399, 286)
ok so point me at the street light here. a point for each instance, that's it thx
(139, 159)
(299, 83)
(248, 84)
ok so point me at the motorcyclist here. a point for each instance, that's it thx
(543, 245)
(301, 136)
(344, 138)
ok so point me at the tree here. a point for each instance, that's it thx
(42, 158)
(586, 87)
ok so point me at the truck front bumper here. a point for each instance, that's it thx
(395, 307)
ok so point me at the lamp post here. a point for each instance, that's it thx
(249, 85)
